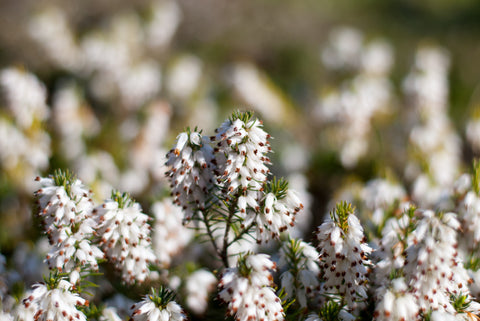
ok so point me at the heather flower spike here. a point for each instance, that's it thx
(190, 173)
(343, 256)
(158, 306)
(300, 279)
(222, 181)
(65, 208)
(247, 289)
(125, 237)
(55, 300)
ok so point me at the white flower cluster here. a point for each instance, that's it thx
(125, 237)
(396, 303)
(234, 171)
(158, 307)
(434, 268)
(170, 236)
(300, 279)
(199, 285)
(190, 173)
(247, 290)
(241, 149)
(57, 303)
(433, 140)
(353, 106)
(343, 254)
(24, 145)
(65, 208)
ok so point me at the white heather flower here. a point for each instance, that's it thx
(343, 255)
(198, 286)
(241, 149)
(435, 245)
(125, 237)
(170, 236)
(300, 280)
(396, 238)
(190, 172)
(247, 290)
(65, 208)
(5, 316)
(56, 303)
(277, 212)
(110, 314)
(26, 96)
(395, 302)
(158, 307)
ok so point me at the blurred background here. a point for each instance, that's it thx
(350, 90)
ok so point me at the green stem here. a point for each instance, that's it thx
(242, 233)
(210, 235)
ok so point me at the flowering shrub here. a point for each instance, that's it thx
(139, 222)
(415, 269)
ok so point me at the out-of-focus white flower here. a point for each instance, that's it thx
(5, 316)
(199, 286)
(166, 17)
(184, 76)
(472, 132)
(26, 96)
(24, 145)
(377, 58)
(350, 111)
(54, 303)
(247, 290)
(110, 314)
(300, 280)
(170, 236)
(52, 32)
(99, 171)
(147, 151)
(343, 255)
(158, 307)
(139, 83)
(73, 121)
(395, 302)
(256, 90)
(190, 172)
(125, 237)
(343, 49)
(379, 195)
